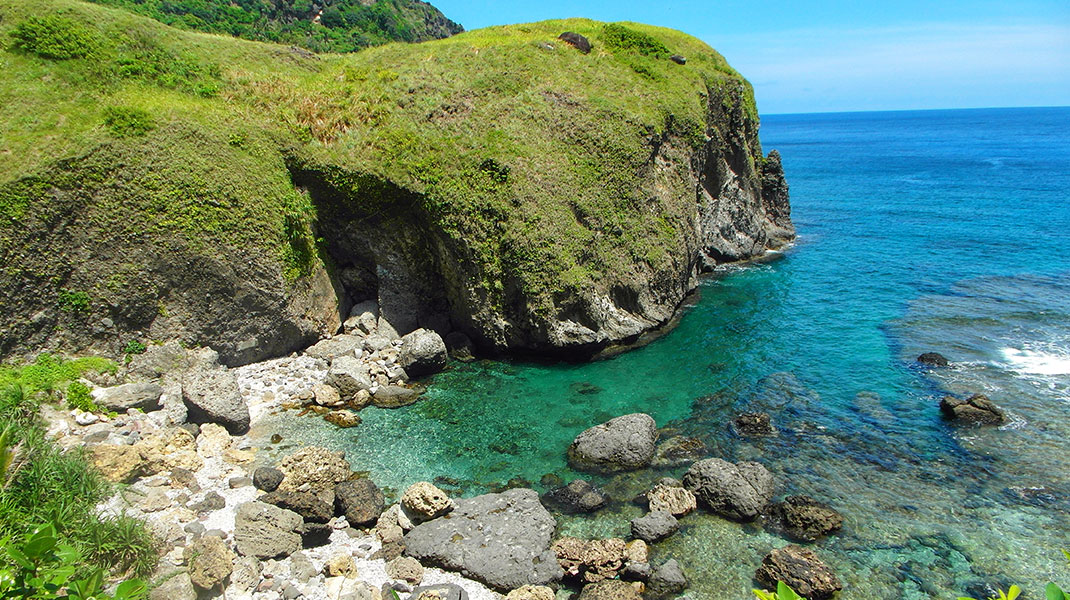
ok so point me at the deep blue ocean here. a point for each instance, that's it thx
(940, 231)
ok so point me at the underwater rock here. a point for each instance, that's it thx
(621, 444)
(578, 496)
(933, 359)
(610, 589)
(738, 491)
(754, 423)
(654, 526)
(667, 578)
(975, 410)
(806, 519)
(679, 450)
(801, 569)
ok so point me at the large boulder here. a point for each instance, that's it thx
(738, 491)
(578, 496)
(360, 500)
(266, 531)
(210, 561)
(806, 519)
(589, 561)
(121, 398)
(314, 469)
(334, 347)
(212, 396)
(667, 578)
(169, 449)
(306, 504)
(502, 540)
(801, 569)
(422, 353)
(349, 375)
(975, 410)
(621, 444)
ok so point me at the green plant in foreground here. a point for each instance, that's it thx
(45, 568)
(78, 396)
(783, 592)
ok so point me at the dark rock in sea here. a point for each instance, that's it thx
(422, 353)
(212, 396)
(460, 347)
(610, 589)
(654, 526)
(678, 59)
(576, 40)
(445, 591)
(502, 540)
(360, 500)
(975, 410)
(667, 579)
(314, 535)
(801, 569)
(737, 491)
(306, 504)
(551, 480)
(622, 444)
(578, 496)
(754, 423)
(805, 519)
(933, 359)
(267, 478)
(634, 571)
(679, 450)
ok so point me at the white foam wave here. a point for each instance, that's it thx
(1034, 362)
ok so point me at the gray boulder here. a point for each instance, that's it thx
(621, 444)
(422, 353)
(363, 318)
(120, 398)
(666, 579)
(331, 348)
(502, 540)
(361, 501)
(266, 531)
(212, 396)
(654, 526)
(737, 491)
(349, 375)
(306, 504)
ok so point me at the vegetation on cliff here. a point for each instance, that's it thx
(129, 146)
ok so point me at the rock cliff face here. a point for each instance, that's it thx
(497, 183)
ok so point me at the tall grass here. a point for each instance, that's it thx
(46, 485)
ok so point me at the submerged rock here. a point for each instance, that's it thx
(754, 423)
(610, 589)
(621, 444)
(801, 569)
(578, 496)
(394, 396)
(667, 578)
(679, 450)
(975, 410)
(502, 540)
(737, 491)
(806, 519)
(933, 359)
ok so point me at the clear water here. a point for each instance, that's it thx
(918, 231)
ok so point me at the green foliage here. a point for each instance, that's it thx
(54, 36)
(345, 25)
(134, 347)
(44, 568)
(72, 301)
(619, 37)
(125, 121)
(783, 592)
(47, 373)
(77, 396)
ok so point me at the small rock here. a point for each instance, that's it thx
(267, 478)
(196, 529)
(314, 535)
(118, 464)
(301, 567)
(184, 478)
(933, 359)
(667, 578)
(423, 501)
(314, 469)
(394, 396)
(801, 569)
(635, 571)
(239, 482)
(169, 449)
(340, 565)
(361, 501)
(654, 526)
(576, 40)
(210, 562)
(677, 501)
(975, 410)
(439, 591)
(342, 418)
(610, 589)
(155, 501)
(212, 502)
(405, 569)
(590, 560)
(174, 586)
(678, 59)
(327, 395)
(349, 375)
(246, 574)
(531, 592)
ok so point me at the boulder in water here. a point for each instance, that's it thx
(738, 491)
(621, 444)
(578, 496)
(754, 424)
(801, 569)
(933, 359)
(806, 519)
(975, 410)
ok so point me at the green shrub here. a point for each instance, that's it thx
(78, 396)
(53, 36)
(125, 121)
(73, 301)
(134, 347)
(619, 37)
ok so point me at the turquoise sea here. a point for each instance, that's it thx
(940, 231)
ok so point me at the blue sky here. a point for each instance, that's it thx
(853, 55)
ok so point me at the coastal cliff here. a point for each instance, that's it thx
(499, 183)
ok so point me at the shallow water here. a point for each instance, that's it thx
(920, 231)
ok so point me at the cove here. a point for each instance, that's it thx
(918, 231)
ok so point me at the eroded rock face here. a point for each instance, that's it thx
(424, 501)
(266, 531)
(315, 470)
(210, 562)
(738, 491)
(502, 540)
(801, 569)
(622, 444)
(806, 519)
(589, 561)
(675, 500)
(975, 410)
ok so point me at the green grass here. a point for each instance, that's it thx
(532, 162)
(48, 486)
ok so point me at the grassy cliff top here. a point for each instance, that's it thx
(528, 150)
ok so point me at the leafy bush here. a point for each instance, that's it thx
(44, 569)
(783, 592)
(45, 374)
(619, 37)
(124, 121)
(53, 36)
(134, 347)
(73, 301)
(78, 396)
